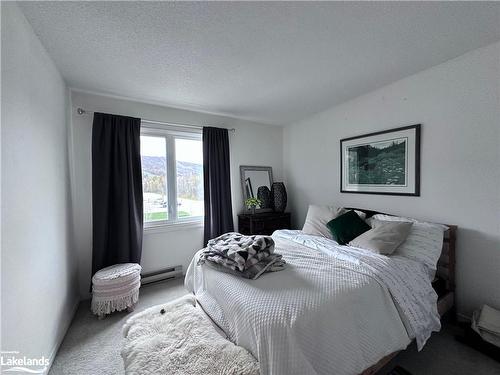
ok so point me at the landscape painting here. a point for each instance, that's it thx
(378, 163)
(386, 162)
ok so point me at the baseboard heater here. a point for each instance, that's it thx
(165, 274)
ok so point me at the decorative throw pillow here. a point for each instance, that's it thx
(346, 227)
(424, 243)
(384, 237)
(317, 218)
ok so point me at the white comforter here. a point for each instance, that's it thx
(334, 310)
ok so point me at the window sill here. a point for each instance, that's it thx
(173, 226)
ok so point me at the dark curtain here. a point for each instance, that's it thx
(117, 218)
(216, 183)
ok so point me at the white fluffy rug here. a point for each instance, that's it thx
(181, 341)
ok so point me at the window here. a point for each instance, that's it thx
(172, 175)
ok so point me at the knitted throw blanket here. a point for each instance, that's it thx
(246, 256)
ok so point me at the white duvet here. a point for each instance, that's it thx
(334, 310)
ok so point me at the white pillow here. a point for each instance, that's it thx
(361, 214)
(424, 243)
(317, 218)
(408, 219)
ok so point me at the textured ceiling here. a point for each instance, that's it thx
(269, 62)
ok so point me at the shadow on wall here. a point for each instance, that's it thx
(478, 255)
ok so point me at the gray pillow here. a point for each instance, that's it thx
(384, 237)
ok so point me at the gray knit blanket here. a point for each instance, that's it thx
(245, 256)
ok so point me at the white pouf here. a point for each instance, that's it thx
(116, 288)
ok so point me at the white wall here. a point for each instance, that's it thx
(458, 105)
(251, 144)
(39, 287)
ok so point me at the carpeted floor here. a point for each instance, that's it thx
(443, 355)
(93, 346)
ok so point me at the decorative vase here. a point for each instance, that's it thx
(278, 194)
(264, 195)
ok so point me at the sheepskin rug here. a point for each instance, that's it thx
(177, 338)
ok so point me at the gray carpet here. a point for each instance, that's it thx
(92, 346)
(443, 355)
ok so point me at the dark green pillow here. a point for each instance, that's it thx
(347, 227)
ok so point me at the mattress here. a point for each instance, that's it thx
(334, 309)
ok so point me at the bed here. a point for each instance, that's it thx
(333, 310)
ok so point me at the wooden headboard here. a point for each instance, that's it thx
(446, 263)
(444, 283)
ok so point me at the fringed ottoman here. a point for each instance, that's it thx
(115, 288)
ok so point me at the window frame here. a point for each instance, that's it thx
(171, 133)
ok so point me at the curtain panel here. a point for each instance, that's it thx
(216, 183)
(117, 206)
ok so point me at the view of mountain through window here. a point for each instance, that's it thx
(182, 196)
(189, 165)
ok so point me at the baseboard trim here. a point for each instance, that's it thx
(60, 339)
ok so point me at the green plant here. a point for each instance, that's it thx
(252, 202)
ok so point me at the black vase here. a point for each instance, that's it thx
(264, 195)
(278, 195)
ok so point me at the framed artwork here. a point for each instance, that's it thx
(385, 162)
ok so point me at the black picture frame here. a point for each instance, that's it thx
(375, 189)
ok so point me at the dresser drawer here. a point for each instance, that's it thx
(264, 224)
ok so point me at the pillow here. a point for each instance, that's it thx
(424, 243)
(384, 237)
(317, 218)
(408, 219)
(346, 227)
(361, 214)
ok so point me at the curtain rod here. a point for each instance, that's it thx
(82, 111)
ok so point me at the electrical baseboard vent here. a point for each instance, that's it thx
(165, 274)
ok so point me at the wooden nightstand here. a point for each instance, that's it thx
(263, 223)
